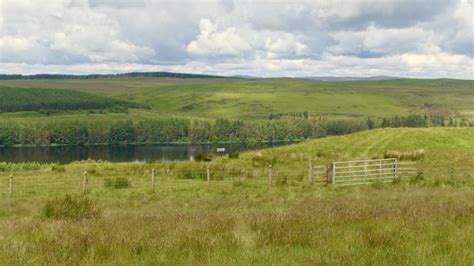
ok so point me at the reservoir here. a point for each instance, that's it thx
(125, 153)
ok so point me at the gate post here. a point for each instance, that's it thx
(10, 185)
(333, 173)
(328, 173)
(380, 169)
(153, 180)
(270, 175)
(310, 171)
(396, 169)
(420, 168)
(84, 182)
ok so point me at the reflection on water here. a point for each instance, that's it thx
(128, 153)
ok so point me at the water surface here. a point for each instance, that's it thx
(128, 153)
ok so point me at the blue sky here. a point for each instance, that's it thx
(416, 38)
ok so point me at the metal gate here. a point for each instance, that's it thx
(364, 172)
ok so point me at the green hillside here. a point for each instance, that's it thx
(258, 98)
(367, 143)
(444, 148)
(32, 99)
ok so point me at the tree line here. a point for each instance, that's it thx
(194, 131)
(29, 99)
(119, 75)
(171, 130)
(423, 121)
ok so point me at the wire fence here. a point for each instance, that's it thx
(156, 180)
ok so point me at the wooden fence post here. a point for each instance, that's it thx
(350, 168)
(270, 175)
(333, 176)
(153, 181)
(396, 169)
(420, 168)
(380, 169)
(84, 182)
(310, 172)
(10, 185)
(208, 171)
(328, 173)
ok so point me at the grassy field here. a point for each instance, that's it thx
(256, 99)
(425, 220)
(86, 115)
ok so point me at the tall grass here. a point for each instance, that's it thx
(395, 225)
(6, 167)
(425, 221)
(412, 156)
(117, 183)
(69, 207)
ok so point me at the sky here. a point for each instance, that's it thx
(404, 38)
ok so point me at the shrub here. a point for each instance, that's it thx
(259, 160)
(281, 181)
(92, 170)
(5, 167)
(417, 179)
(69, 207)
(117, 183)
(58, 168)
(258, 156)
(190, 174)
(233, 155)
(413, 156)
(202, 157)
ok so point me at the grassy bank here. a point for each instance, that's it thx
(423, 220)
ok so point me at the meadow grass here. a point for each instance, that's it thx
(396, 224)
(422, 221)
(64, 116)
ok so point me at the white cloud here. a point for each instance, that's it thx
(434, 60)
(285, 44)
(461, 38)
(97, 45)
(211, 41)
(54, 32)
(423, 38)
(13, 45)
(380, 41)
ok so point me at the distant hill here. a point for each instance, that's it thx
(97, 76)
(259, 98)
(353, 78)
(245, 77)
(183, 76)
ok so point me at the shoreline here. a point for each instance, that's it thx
(153, 143)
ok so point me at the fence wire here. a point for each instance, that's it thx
(172, 178)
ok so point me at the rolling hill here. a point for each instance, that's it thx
(444, 148)
(258, 98)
